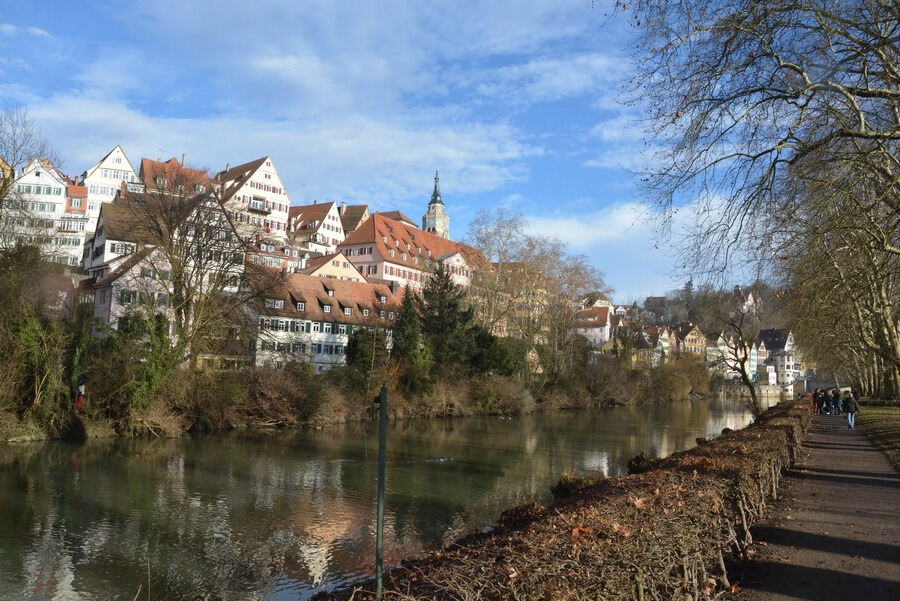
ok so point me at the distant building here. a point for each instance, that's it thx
(352, 216)
(104, 181)
(394, 251)
(436, 219)
(594, 324)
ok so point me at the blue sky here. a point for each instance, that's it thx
(517, 104)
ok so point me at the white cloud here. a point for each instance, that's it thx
(38, 32)
(7, 29)
(583, 231)
(353, 158)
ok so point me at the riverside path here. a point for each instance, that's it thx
(834, 533)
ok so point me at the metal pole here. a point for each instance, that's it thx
(382, 460)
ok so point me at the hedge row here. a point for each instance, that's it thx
(662, 534)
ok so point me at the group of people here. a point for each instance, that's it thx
(831, 402)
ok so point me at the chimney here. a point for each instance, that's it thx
(182, 159)
(283, 272)
(343, 209)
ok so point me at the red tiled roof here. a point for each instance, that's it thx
(173, 171)
(313, 291)
(76, 191)
(386, 234)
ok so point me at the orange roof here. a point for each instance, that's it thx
(386, 234)
(174, 172)
(76, 190)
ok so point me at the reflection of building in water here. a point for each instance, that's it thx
(49, 570)
(597, 461)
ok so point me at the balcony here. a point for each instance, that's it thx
(259, 207)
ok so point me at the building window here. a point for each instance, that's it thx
(347, 311)
(274, 303)
(383, 299)
(316, 327)
(342, 329)
(327, 308)
(301, 306)
(328, 327)
(365, 312)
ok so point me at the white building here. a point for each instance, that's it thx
(309, 319)
(104, 180)
(255, 199)
(46, 210)
(316, 227)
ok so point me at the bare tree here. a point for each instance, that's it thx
(748, 96)
(190, 274)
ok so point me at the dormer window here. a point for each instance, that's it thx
(301, 306)
(383, 299)
(201, 188)
(160, 181)
(327, 308)
(384, 239)
(403, 256)
(274, 303)
(347, 311)
(331, 293)
(392, 252)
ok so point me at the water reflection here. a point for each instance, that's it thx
(245, 516)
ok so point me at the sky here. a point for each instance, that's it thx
(518, 105)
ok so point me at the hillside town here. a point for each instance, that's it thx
(340, 267)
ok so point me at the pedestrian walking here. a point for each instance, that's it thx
(851, 406)
(835, 402)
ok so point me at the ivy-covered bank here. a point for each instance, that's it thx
(668, 532)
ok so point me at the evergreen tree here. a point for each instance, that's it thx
(446, 321)
(407, 329)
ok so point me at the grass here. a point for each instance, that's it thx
(883, 427)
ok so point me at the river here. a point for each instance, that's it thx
(281, 516)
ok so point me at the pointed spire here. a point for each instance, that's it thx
(436, 195)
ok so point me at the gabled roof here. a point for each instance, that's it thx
(117, 146)
(120, 222)
(235, 177)
(399, 216)
(352, 217)
(386, 234)
(308, 214)
(775, 338)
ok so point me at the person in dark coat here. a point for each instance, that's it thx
(851, 406)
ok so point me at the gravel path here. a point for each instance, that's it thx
(834, 533)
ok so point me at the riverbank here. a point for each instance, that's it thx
(298, 397)
(669, 532)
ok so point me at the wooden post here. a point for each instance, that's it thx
(382, 461)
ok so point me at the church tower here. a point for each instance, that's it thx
(436, 219)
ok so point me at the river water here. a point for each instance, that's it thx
(282, 516)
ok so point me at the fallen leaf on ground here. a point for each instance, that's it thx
(735, 589)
